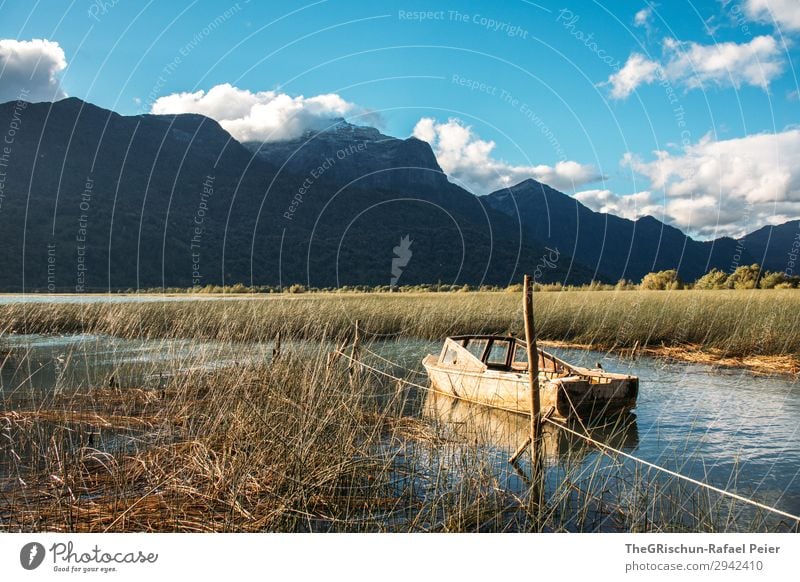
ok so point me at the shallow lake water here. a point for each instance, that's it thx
(15, 298)
(726, 427)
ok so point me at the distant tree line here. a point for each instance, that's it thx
(744, 277)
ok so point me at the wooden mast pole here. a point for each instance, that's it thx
(537, 461)
(533, 377)
(533, 362)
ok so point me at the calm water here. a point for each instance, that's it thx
(12, 298)
(37, 364)
(730, 428)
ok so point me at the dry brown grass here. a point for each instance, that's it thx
(300, 445)
(289, 446)
(297, 445)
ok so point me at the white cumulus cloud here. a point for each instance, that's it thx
(630, 206)
(755, 63)
(642, 17)
(258, 116)
(29, 69)
(757, 168)
(785, 12)
(693, 66)
(469, 160)
(637, 70)
(714, 187)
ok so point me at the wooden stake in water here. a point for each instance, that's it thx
(533, 375)
(533, 367)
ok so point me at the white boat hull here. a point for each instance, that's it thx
(569, 396)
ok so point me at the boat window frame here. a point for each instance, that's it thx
(447, 349)
(561, 367)
(482, 358)
(506, 365)
(519, 346)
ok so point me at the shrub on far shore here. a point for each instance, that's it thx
(714, 279)
(744, 277)
(774, 279)
(661, 281)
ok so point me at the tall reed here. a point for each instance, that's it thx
(732, 323)
(303, 444)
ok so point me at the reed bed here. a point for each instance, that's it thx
(721, 324)
(303, 443)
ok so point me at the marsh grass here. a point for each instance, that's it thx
(733, 324)
(302, 444)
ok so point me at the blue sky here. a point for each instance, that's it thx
(577, 94)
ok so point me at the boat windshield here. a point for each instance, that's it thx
(547, 363)
(498, 353)
(520, 361)
(476, 347)
(494, 352)
(450, 356)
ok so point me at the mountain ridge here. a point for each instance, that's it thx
(323, 209)
(177, 196)
(629, 249)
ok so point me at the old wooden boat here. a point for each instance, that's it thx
(493, 370)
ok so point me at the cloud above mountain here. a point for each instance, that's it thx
(30, 69)
(469, 160)
(642, 18)
(264, 116)
(783, 12)
(696, 66)
(630, 206)
(714, 187)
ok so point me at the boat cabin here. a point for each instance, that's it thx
(503, 353)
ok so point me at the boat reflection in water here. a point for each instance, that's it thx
(483, 425)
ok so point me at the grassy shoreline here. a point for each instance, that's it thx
(749, 328)
(299, 444)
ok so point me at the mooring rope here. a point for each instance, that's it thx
(604, 448)
(391, 363)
